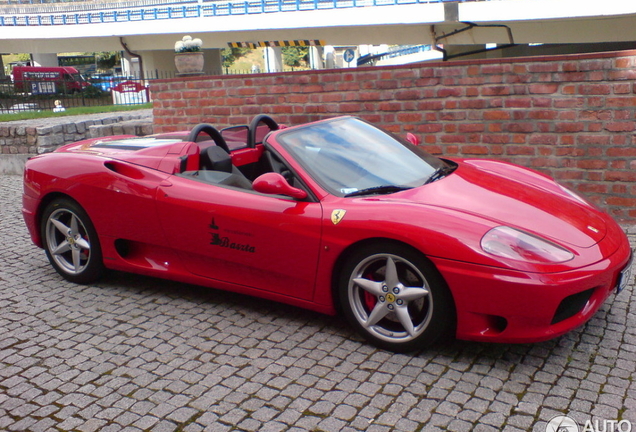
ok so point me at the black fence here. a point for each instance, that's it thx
(57, 95)
(97, 90)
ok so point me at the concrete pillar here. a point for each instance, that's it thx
(129, 65)
(44, 59)
(213, 61)
(330, 57)
(273, 59)
(158, 64)
(316, 57)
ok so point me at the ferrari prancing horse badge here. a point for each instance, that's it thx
(337, 215)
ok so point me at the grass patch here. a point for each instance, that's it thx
(27, 115)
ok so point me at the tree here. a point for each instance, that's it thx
(295, 56)
(230, 55)
(107, 60)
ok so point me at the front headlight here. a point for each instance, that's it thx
(517, 245)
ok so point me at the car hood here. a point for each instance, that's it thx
(514, 196)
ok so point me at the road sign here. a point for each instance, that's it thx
(349, 55)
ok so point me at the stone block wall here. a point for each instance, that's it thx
(572, 117)
(21, 139)
(44, 135)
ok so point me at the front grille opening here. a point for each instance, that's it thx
(571, 305)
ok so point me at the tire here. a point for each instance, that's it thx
(395, 298)
(71, 242)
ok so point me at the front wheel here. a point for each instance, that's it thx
(70, 242)
(396, 298)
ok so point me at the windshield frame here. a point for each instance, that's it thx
(410, 154)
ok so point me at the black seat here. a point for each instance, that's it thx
(214, 158)
(216, 167)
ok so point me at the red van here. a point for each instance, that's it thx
(48, 79)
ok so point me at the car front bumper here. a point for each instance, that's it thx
(499, 305)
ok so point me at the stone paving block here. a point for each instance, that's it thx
(138, 354)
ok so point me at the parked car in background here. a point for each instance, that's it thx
(20, 107)
(106, 81)
(48, 79)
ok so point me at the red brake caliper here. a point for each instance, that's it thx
(369, 299)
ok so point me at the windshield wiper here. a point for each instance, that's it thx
(440, 172)
(387, 189)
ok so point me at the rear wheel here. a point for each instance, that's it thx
(71, 243)
(396, 298)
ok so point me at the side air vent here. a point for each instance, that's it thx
(571, 305)
(124, 169)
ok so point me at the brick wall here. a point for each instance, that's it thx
(572, 117)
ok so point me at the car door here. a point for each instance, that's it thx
(243, 237)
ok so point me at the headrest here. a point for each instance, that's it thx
(214, 158)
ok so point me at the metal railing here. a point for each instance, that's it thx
(188, 10)
(41, 95)
(369, 59)
(56, 6)
(35, 95)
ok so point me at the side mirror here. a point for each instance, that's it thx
(413, 139)
(275, 184)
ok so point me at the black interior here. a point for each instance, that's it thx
(216, 166)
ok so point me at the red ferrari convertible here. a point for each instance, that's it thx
(335, 215)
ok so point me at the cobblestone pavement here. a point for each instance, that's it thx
(139, 354)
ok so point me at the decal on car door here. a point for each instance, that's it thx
(226, 242)
(247, 239)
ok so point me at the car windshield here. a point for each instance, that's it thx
(350, 157)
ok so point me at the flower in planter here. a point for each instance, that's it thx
(187, 44)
